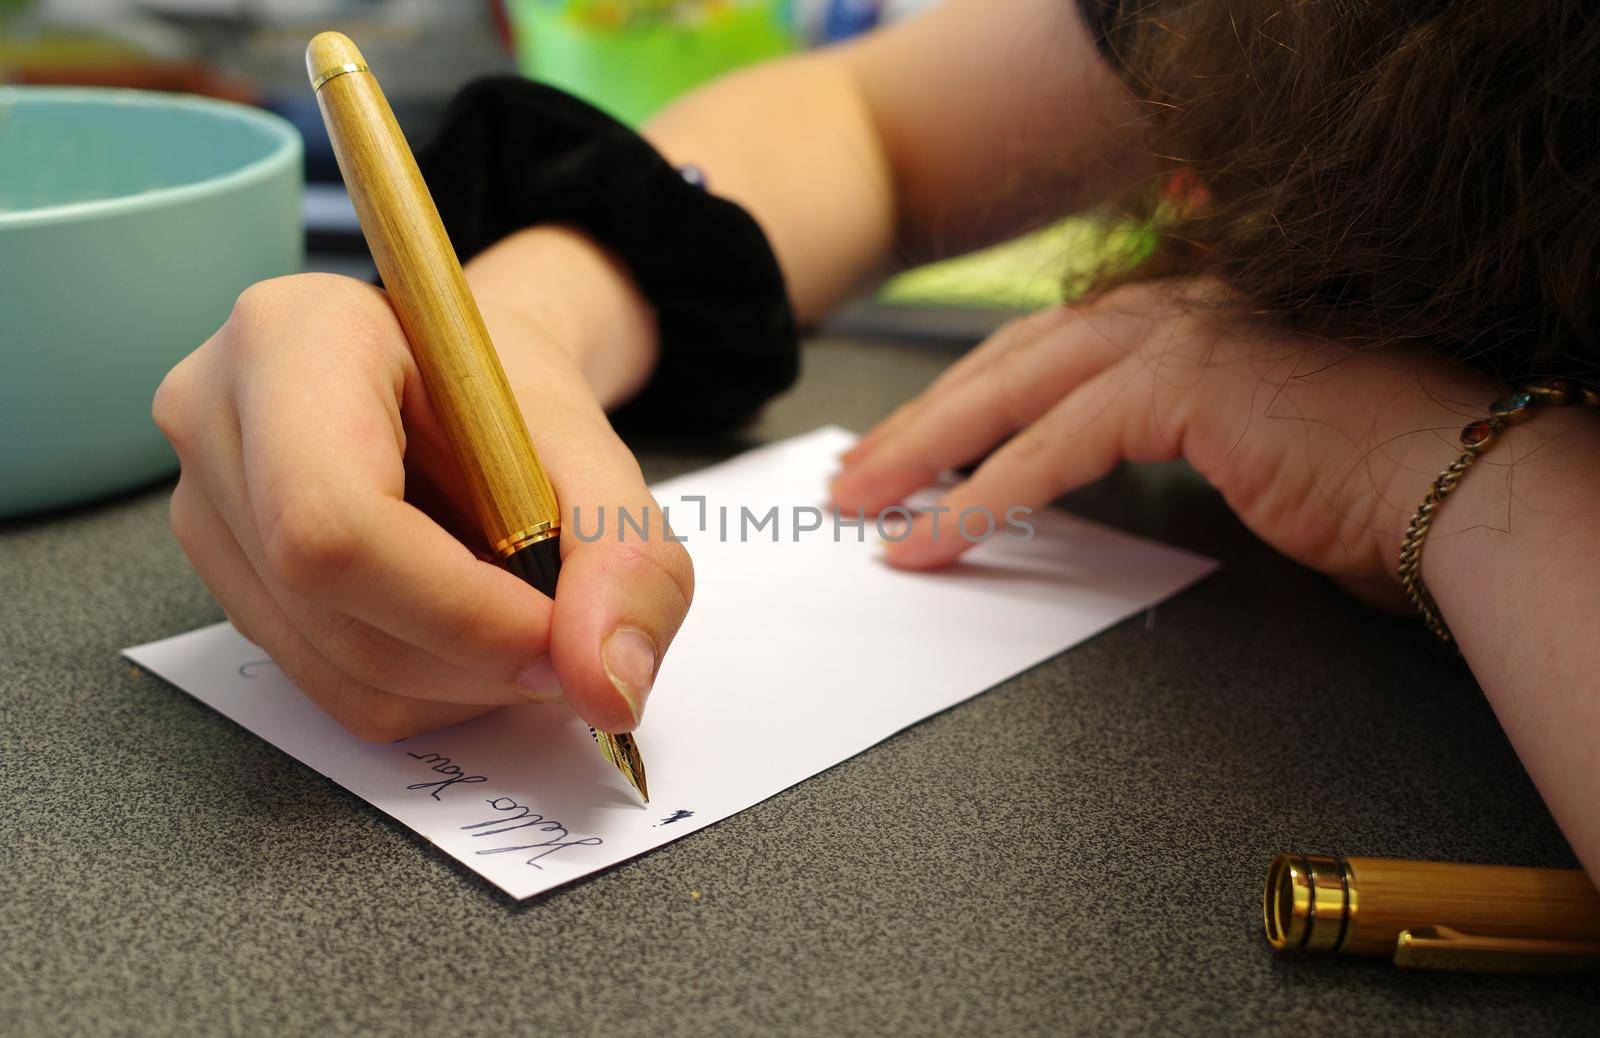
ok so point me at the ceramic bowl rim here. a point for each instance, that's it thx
(285, 152)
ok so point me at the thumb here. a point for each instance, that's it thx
(624, 591)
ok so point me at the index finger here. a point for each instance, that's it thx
(322, 450)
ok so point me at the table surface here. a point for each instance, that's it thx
(1079, 850)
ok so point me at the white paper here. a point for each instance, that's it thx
(796, 655)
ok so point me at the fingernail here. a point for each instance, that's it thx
(630, 660)
(540, 680)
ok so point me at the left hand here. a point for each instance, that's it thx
(1324, 450)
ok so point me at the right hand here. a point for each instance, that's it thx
(320, 503)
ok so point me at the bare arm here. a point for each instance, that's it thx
(975, 121)
(1514, 563)
(972, 122)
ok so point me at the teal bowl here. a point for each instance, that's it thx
(129, 222)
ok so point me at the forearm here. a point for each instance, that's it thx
(969, 123)
(951, 131)
(790, 142)
(794, 144)
(1514, 564)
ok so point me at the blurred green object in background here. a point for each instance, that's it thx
(1044, 268)
(632, 57)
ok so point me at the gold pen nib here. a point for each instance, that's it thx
(622, 751)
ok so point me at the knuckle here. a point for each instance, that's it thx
(302, 297)
(904, 413)
(475, 628)
(1031, 323)
(380, 721)
(1042, 324)
(365, 713)
(667, 559)
(679, 568)
(308, 545)
(1059, 319)
(274, 294)
(239, 623)
(181, 516)
(1010, 330)
(170, 404)
(261, 299)
(1003, 340)
(1029, 446)
(244, 335)
(1013, 394)
(1133, 296)
(360, 649)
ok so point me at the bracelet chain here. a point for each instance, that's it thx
(1476, 438)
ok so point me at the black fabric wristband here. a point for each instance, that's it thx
(512, 154)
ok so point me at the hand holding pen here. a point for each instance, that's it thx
(330, 519)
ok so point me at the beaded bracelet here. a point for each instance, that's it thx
(1476, 438)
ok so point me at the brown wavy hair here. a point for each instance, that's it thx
(1419, 170)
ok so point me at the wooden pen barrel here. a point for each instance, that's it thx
(467, 387)
(1360, 905)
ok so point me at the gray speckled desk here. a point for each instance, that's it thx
(1078, 851)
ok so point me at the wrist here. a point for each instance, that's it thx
(554, 288)
(1512, 514)
(1392, 425)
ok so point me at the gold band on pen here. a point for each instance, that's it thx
(1308, 903)
(509, 546)
(335, 72)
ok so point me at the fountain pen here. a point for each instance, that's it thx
(511, 495)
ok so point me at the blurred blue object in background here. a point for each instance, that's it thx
(846, 18)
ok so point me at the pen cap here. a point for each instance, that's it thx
(1362, 905)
